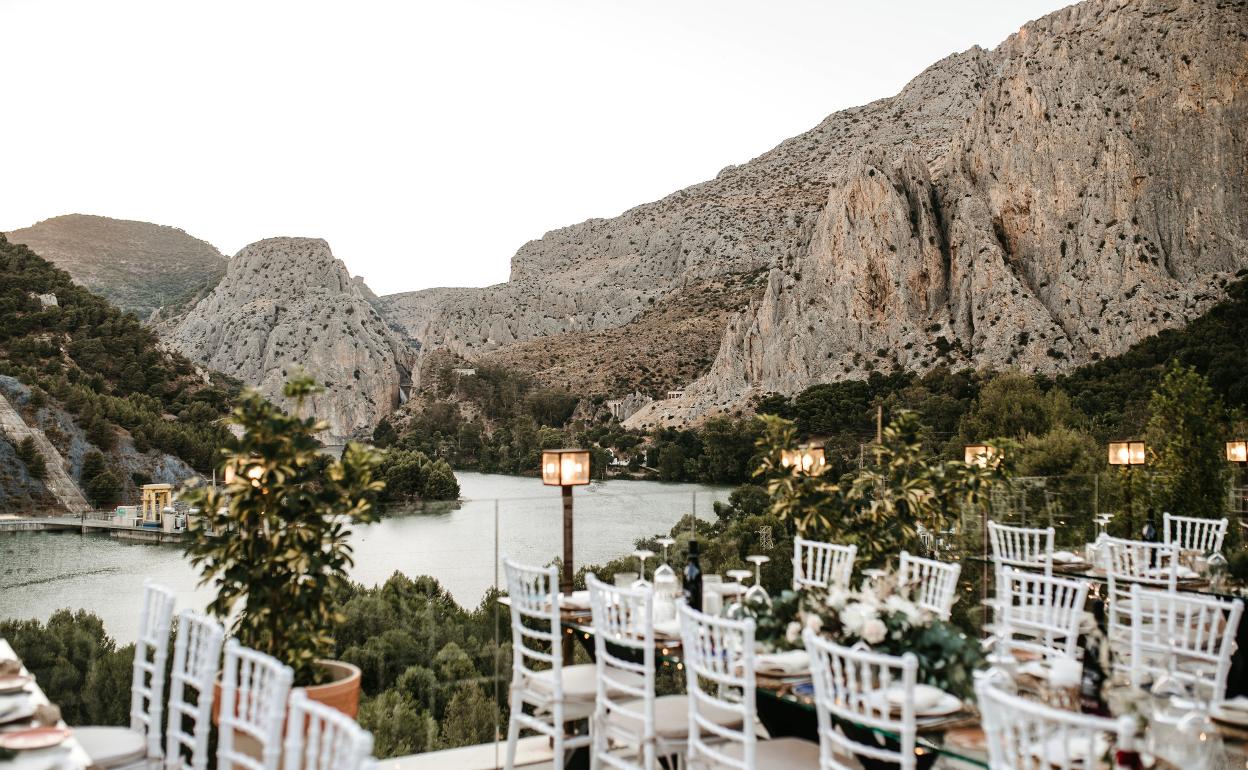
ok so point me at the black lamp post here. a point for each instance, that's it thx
(1127, 454)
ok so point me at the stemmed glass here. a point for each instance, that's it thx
(665, 568)
(1102, 521)
(757, 596)
(642, 554)
(736, 610)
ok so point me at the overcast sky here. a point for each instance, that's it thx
(426, 141)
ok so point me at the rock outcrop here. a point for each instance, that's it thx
(138, 266)
(603, 273)
(1096, 194)
(287, 304)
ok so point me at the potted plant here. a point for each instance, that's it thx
(273, 542)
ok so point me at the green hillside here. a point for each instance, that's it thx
(101, 366)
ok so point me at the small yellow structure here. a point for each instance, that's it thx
(156, 498)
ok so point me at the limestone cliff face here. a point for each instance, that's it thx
(286, 304)
(1095, 195)
(603, 273)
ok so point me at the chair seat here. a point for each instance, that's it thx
(785, 753)
(580, 682)
(111, 746)
(671, 717)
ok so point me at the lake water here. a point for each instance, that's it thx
(41, 572)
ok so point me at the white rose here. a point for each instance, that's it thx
(855, 615)
(874, 631)
(793, 632)
(914, 616)
(837, 597)
(814, 622)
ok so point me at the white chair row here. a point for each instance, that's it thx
(255, 702)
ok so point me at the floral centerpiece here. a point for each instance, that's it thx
(883, 616)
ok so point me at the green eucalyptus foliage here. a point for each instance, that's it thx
(881, 506)
(274, 543)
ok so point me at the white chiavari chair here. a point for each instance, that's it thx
(196, 661)
(1023, 547)
(1126, 563)
(557, 693)
(254, 689)
(719, 676)
(1024, 734)
(933, 584)
(140, 744)
(628, 712)
(822, 564)
(857, 687)
(1040, 614)
(1193, 535)
(1192, 634)
(319, 737)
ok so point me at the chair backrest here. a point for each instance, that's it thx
(623, 618)
(1193, 534)
(151, 651)
(1021, 547)
(196, 661)
(319, 737)
(535, 622)
(822, 564)
(1025, 734)
(1197, 631)
(853, 686)
(1127, 562)
(1041, 613)
(719, 676)
(933, 584)
(254, 689)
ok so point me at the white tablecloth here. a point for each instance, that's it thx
(68, 756)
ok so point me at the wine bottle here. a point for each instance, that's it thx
(1149, 534)
(1091, 686)
(693, 578)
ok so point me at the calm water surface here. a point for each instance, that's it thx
(41, 572)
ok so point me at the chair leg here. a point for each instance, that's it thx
(513, 735)
(595, 741)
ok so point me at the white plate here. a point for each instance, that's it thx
(15, 707)
(14, 683)
(1053, 750)
(944, 704)
(792, 663)
(1231, 716)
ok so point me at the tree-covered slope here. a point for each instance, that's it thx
(83, 358)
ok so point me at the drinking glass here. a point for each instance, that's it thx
(736, 610)
(625, 579)
(757, 597)
(712, 594)
(665, 568)
(642, 554)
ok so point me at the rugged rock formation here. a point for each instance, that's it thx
(1096, 194)
(287, 304)
(603, 273)
(137, 266)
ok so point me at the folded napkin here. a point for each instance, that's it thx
(1182, 573)
(577, 600)
(925, 696)
(791, 663)
(10, 667)
(1066, 557)
(48, 714)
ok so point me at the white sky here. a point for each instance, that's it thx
(426, 141)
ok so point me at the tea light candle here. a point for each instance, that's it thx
(1065, 672)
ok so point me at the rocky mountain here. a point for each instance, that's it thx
(1095, 195)
(137, 266)
(1041, 205)
(287, 304)
(604, 273)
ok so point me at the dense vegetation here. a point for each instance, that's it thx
(102, 366)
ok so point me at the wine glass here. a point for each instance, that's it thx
(736, 610)
(665, 568)
(1102, 521)
(642, 554)
(757, 596)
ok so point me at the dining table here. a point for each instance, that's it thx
(67, 755)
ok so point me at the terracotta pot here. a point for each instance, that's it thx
(341, 692)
